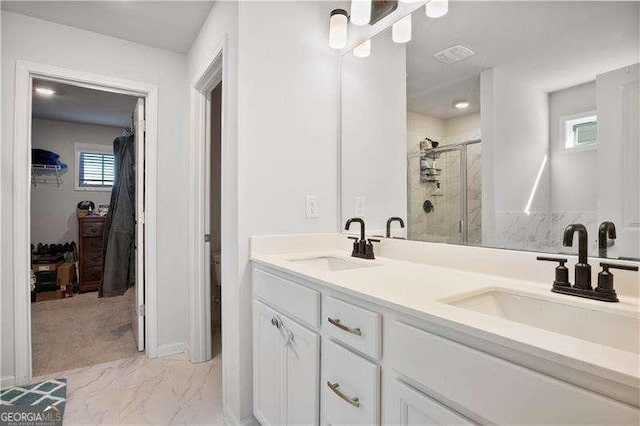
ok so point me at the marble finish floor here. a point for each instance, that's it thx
(142, 391)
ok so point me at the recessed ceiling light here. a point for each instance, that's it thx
(461, 104)
(45, 91)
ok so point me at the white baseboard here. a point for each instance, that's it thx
(171, 349)
(7, 381)
(187, 351)
(231, 420)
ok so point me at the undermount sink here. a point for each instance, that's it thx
(615, 330)
(330, 264)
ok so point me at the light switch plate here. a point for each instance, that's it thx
(359, 206)
(311, 206)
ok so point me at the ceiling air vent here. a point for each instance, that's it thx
(453, 54)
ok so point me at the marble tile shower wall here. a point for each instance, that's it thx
(441, 224)
(543, 231)
(474, 194)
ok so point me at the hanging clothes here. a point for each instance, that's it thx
(118, 246)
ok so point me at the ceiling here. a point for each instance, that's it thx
(551, 45)
(81, 105)
(171, 25)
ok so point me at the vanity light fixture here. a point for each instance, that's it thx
(338, 22)
(437, 8)
(401, 30)
(461, 104)
(363, 49)
(45, 91)
(360, 12)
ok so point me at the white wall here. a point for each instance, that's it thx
(53, 209)
(446, 131)
(420, 126)
(281, 119)
(374, 133)
(287, 130)
(515, 141)
(223, 22)
(58, 45)
(462, 128)
(573, 176)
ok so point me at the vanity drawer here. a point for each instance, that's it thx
(92, 228)
(300, 302)
(355, 327)
(350, 387)
(495, 390)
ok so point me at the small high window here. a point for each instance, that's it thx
(94, 168)
(580, 130)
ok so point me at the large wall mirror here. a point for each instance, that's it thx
(498, 125)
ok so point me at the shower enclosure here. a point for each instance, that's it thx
(445, 196)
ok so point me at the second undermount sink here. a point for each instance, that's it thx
(331, 264)
(615, 330)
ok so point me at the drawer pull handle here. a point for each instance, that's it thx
(341, 326)
(353, 401)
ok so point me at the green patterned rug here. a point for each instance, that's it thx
(48, 393)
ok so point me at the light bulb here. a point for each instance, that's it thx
(363, 49)
(461, 105)
(401, 30)
(360, 12)
(437, 8)
(338, 22)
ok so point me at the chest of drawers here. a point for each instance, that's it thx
(90, 230)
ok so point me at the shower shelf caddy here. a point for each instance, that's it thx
(428, 173)
(46, 174)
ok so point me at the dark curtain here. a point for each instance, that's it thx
(118, 246)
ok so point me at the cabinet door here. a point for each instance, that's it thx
(302, 375)
(408, 407)
(268, 366)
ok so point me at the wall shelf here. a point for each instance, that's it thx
(45, 174)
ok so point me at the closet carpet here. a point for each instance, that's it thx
(79, 331)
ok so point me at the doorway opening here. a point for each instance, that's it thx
(86, 226)
(214, 159)
(26, 73)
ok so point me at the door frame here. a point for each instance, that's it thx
(25, 73)
(215, 71)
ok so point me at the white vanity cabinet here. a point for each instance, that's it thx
(286, 369)
(324, 356)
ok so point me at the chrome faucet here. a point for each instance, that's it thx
(583, 269)
(361, 248)
(390, 221)
(606, 229)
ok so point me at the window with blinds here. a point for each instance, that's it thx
(95, 169)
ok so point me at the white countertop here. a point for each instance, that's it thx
(418, 289)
